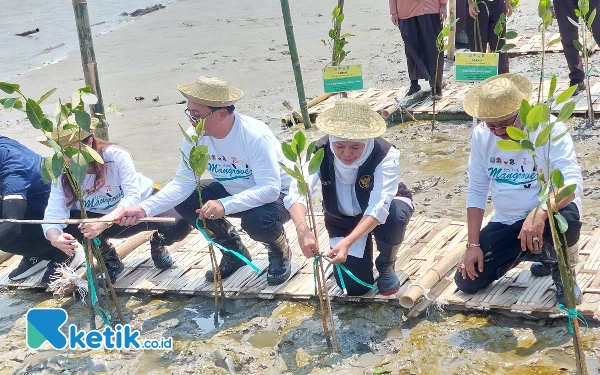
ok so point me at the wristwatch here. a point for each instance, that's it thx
(470, 245)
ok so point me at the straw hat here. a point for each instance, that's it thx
(210, 91)
(68, 136)
(497, 98)
(351, 119)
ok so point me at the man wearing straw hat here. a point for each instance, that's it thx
(24, 196)
(514, 229)
(247, 181)
(361, 195)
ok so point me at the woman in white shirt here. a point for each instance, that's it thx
(108, 188)
(361, 195)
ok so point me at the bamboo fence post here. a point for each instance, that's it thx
(289, 32)
(88, 61)
(452, 37)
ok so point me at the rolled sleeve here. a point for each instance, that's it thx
(385, 186)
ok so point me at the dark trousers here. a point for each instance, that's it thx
(391, 232)
(569, 32)
(422, 58)
(31, 242)
(502, 249)
(263, 224)
(487, 23)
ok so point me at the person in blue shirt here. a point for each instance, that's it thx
(24, 195)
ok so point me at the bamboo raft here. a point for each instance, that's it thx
(450, 106)
(426, 264)
(532, 44)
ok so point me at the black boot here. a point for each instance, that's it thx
(560, 292)
(280, 255)
(388, 282)
(414, 88)
(225, 235)
(166, 237)
(114, 266)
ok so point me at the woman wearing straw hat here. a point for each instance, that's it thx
(361, 194)
(247, 181)
(107, 189)
(24, 195)
(514, 229)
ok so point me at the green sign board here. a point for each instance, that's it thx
(475, 66)
(342, 78)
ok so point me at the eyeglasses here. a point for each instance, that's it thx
(195, 119)
(503, 124)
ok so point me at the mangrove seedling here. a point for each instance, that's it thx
(337, 41)
(442, 46)
(499, 29)
(546, 17)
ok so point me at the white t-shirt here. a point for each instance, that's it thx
(123, 186)
(512, 175)
(245, 162)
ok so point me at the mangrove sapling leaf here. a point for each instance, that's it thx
(302, 189)
(552, 89)
(185, 160)
(544, 136)
(562, 134)
(528, 146)
(186, 136)
(578, 45)
(562, 222)
(310, 150)
(58, 164)
(544, 192)
(591, 18)
(511, 35)
(509, 145)
(553, 42)
(47, 125)
(566, 111)
(288, 152)
(9, 103)
(535, 116)
(573, 22)
(95, 155)
(507, 47)
(336, 12)
(55, 146)
(584, 7)
(558, 179)
(524, 110)
(46, 96)
(565, 95)
(69, 150)
(83, 119)
(9, 88)
(88, 98)
(291, 172)
(499, 27)
(339, 18)
(516, 133)
(300, 142)
(76, 98)
(47, 174)
(315, 162)
(198, 160)
(564, 193)
(79, 167)
(32, 114)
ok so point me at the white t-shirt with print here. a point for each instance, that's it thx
(512, 175)
(123, 186)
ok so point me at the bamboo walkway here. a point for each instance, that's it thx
(431, 247)
(532, 44)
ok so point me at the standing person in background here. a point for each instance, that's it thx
(420, 22)
(488, 14)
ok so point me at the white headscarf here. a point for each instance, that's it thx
(344, 173)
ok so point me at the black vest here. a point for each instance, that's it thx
(339, 225)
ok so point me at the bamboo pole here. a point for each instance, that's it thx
(311, 103)
(88, 220)
(88, 61)
(452, 37)
(289, 32)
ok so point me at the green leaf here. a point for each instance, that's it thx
(9, 103)
(288, 152)
(564, 193)
(69, 150)
(18, 104)
(511, 35)
(194, 139)
(336, 12)
(9, 88)
(544, 136)
(552, 89)
(34, 113)
(310, 150)
(76, 99)
(507, 47)
(591, 18)
(46, 96)
(79, 167)
(539, 113)
(516, 133)
(573, 22)
(499, 27)
(524, 110)
(302, 188)
(565, 95)
(544, 192)
(55, 146)
(184, 158)
(197, 160)
(584, 7)
(300, 141)
(339, 19)
(562, 222)
(203, 148)
(315, 162)
(89, 99)
(95, 155)
(553, 42)
(578, 13)
(186, 136)
(83, 119)
(291, 172)
(47, 125)
(87, 156)
(558, 178)
(58, 164)
(562, 134)
(578, 45)
(527, 145)
(509, 145)
(566, 111)
(47, 174)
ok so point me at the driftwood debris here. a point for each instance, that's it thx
(141, 12)
(26, 33)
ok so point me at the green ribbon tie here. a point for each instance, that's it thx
(93, 295)
(339, 268)
(573, 314)
(210, 241)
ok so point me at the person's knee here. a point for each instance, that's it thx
(467, 285)
(356, 290)
(261, 226)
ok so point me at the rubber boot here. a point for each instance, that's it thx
(560, 293)
(388, 282)
(225, 235)
(166, 237)
(114, 265)
(543, 267)
(280, 255)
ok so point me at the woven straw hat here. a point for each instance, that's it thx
(497, 98)
(68, 136)
(210, 91)
(351, 119)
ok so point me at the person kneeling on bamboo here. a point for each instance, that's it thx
(515, 229)
(107, 189)
(361, 195)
